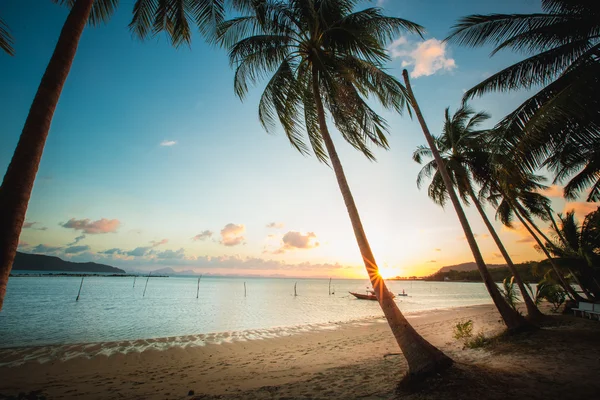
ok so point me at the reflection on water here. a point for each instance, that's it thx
(42, 310)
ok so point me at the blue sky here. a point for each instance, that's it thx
(152, 161)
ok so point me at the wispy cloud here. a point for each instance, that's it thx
(160, 242)
(275, 225)
(203, 236)
(31, 225)
(77, 240)
(76, 249)
(45, 249)
(93, 227)
(426, 58)
(553, 191)
(232, 234)
(168, 143)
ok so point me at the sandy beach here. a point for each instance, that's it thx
(354, 360)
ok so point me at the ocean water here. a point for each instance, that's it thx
(42, 311)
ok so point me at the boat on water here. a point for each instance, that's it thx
(370, 295)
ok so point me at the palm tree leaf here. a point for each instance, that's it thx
(6, 39)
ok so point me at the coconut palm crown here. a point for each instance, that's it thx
(562, 45)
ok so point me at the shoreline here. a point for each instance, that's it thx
(351, 361)
(219, 337)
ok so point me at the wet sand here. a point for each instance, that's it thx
(345, 361)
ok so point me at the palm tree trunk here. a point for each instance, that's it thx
(513, 320)
(561, 279)
(543, 235)
(20, 176)
(423, 358)
(533, 312)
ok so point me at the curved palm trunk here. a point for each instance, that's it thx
(423, 358)
(568, 288)
(533, 312)
(20, 176)
(512, 319)
(543, 235)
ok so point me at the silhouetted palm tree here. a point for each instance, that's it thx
(515, 194)
(323, 59)
(150, 17)
(6, 39)
(464, 153)
(578, 247)
(513, 320)
(562, 120)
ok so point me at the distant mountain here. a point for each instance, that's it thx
(171, 271)
(468, 266)
(39, 262)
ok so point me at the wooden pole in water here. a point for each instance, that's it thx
(295, 294)
(244, 289)
(198, 291)
(330, 286)
(145, 287)
(80, 285)
(134, 280)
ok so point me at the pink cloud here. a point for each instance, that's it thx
(93, 227)
(202, 236)
(296, 240)
(232, 234)
(581, 208)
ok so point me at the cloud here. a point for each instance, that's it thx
(154, 243)
(581, 208)
(203, 236)
(432, 261)
(438, 249)
(519, 229)
(112, 251)
(93, 227)
(232, 234)
(171, 255)
(168, 143)
(275, 225)
(76, 249)
(22, 245)
(77, 240)
(30, 225)
(380, 3)
(45, 249)
(426, 57)
(296, 240)
(478, 236)
(553, 191)
(139, 251)
(497, 255)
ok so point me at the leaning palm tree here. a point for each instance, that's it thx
(466, 157)
(6, 39)
(513, 320)
(563, 49)
(323, 59)
(515, 194)
(150, 17)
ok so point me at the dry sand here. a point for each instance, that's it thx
(352, 361)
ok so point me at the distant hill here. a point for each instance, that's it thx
(38, 262)
(468, 266)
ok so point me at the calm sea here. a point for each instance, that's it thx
(43, 311)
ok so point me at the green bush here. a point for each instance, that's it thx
(463, 330)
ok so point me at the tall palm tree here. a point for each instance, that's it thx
(323, 59)
(515, 193)
(466, 159)
(6, 39)
(562, 120)
(513, 320)
(150, 17)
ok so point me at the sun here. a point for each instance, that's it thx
(387, 272)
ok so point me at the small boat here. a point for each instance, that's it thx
(403, 293)
(369, 296)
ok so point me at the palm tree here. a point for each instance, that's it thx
(323, 59)
(578, 247)
(6, 40)
(466, 158)
(562, 120)
(150, 17)
(513, 320)
(515, 193)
